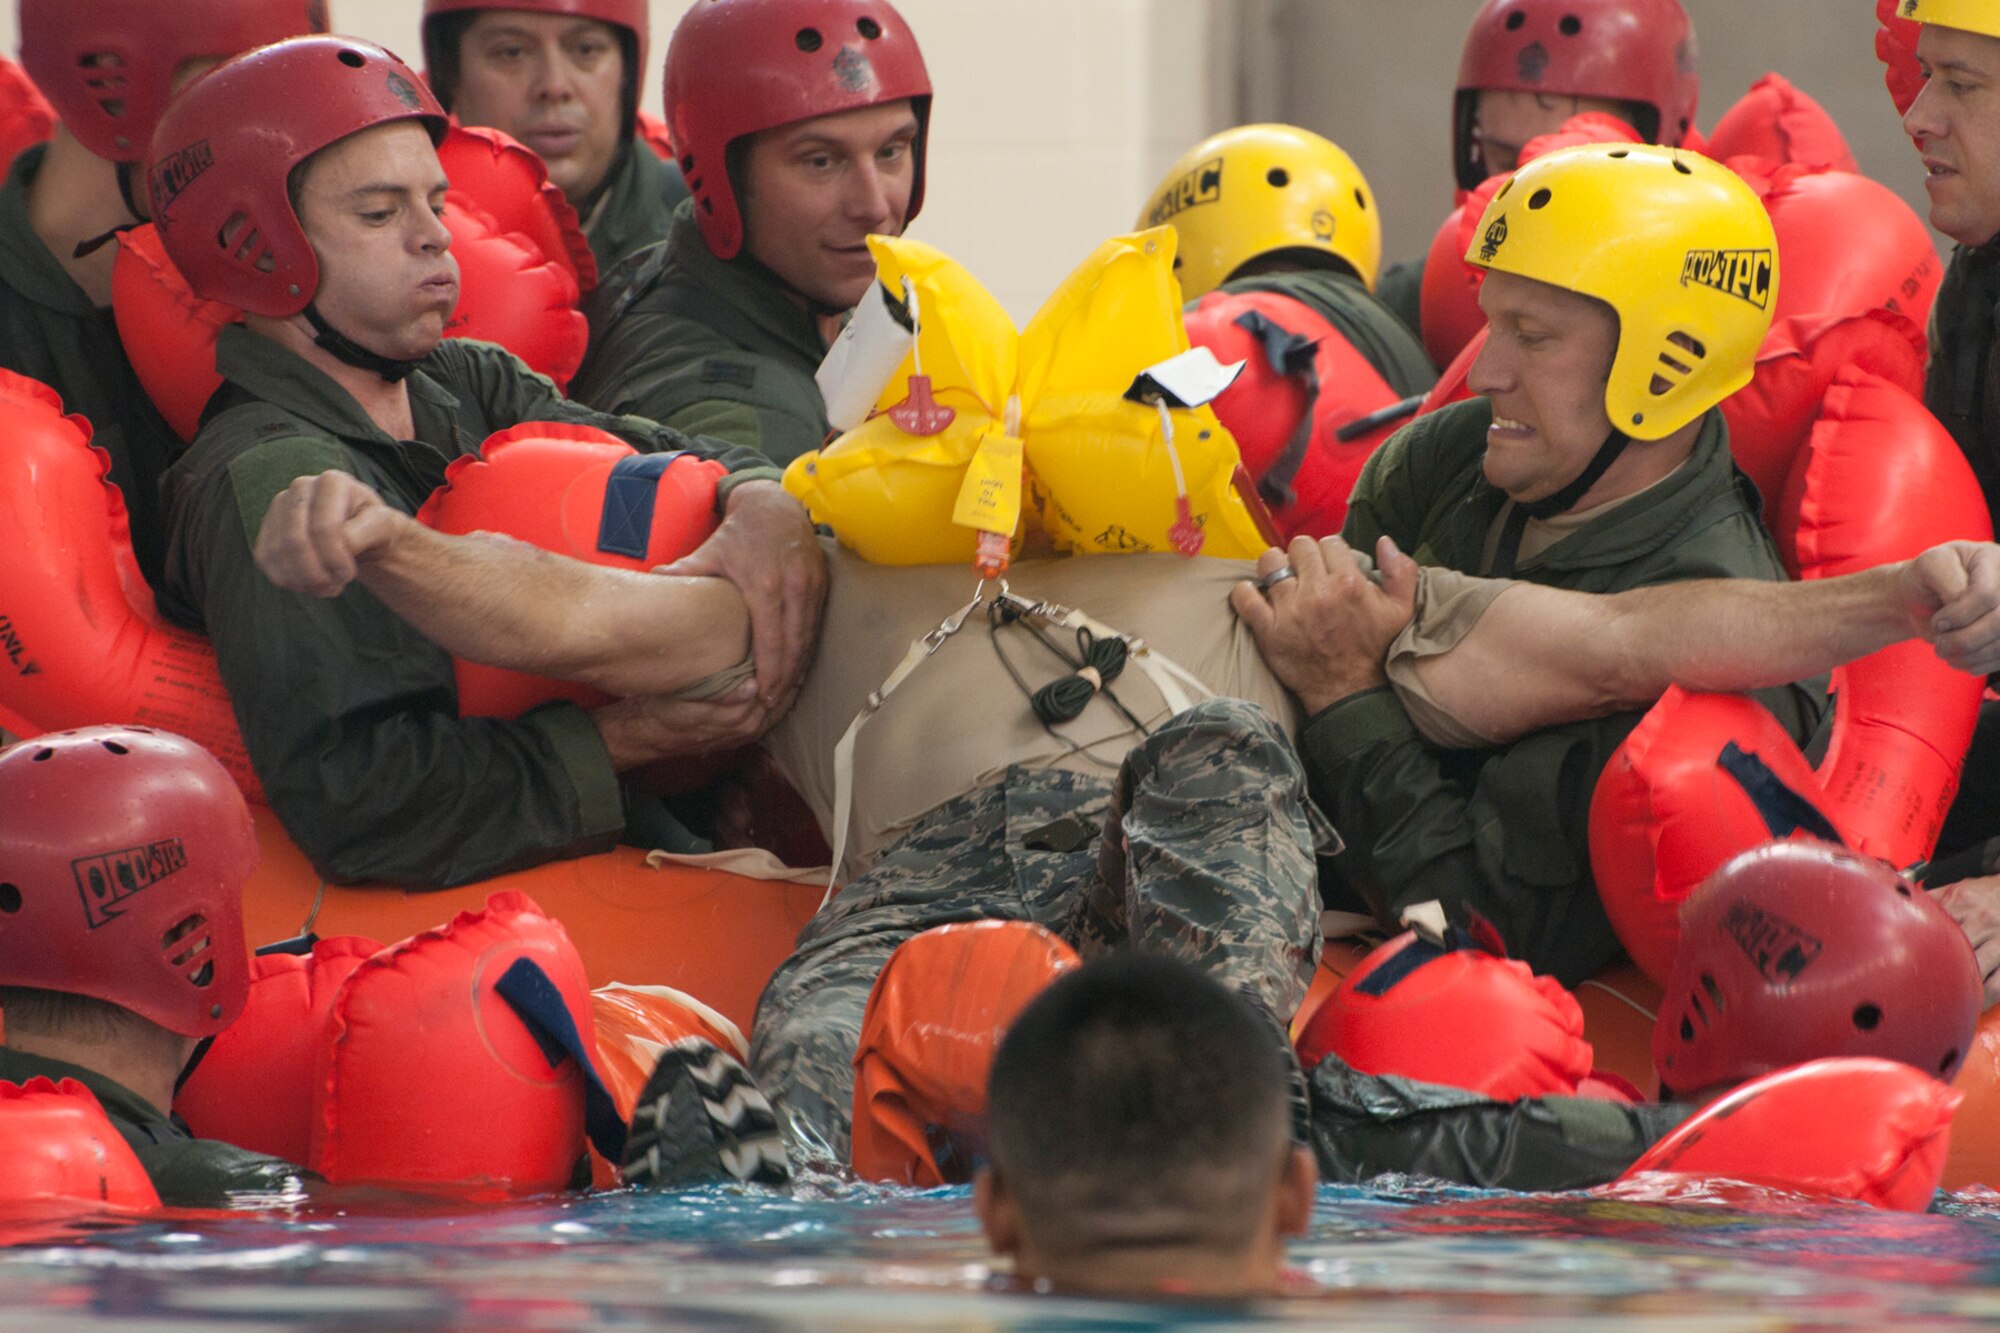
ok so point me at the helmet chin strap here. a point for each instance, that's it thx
(1562, 501)
(345, 349)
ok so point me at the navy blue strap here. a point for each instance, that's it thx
(1291, 354)
(535, 999)
(625, 527)
(1783, 810)
(1395, 968)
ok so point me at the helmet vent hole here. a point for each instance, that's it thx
(201, 980)
(1867, 1017)
(1620, 153)
(1515, 20)
(868, 28)
(1902, 888)
(184, 942)
(1570, 26)
(1503, 190)
(1714, 993)
(1687, 1030)
(1683, 167)
(687, 163)
(42, 756)
(1950, 1059)
(1278, 177)
(809, 40)
(353, 59)
(10, 899)
(1539, 199)
(114, 747)
(1360, 199)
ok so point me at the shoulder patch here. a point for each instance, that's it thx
(737, 373)
(259, 473)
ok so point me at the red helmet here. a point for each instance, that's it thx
(441, 38)
(225, 150)
(735, 67)
(1796, 951)
(123, 853)
(1637, 51)
(108, 66)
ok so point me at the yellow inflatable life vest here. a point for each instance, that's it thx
(984, 429)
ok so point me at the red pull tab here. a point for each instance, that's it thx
(1186, 534)
(920, 413)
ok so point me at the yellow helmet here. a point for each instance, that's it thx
(1982, 16)
(1678, 245)
(1257, 188)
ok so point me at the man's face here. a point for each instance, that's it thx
(813, 191)
(1955, 122)
(1504, 119)
(1547, 358)
(372, 206)
(553, 81)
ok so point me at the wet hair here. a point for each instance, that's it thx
(27, 1011)
(1137, 1102)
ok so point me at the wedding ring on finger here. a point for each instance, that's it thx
(1274, 578)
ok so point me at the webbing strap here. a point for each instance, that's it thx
(539, 1005)
(1783, 810)
(625, 524)
(843, 755)
(1289, 354)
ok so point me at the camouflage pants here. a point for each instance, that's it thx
(1210, 859)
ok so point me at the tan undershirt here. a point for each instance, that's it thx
(960, 721)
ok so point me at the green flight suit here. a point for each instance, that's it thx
(51, 331)
(1504, 830)
(350, 715)
(186, 1171)
(707, 346)
(634, 208)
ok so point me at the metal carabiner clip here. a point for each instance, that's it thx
(956, 620)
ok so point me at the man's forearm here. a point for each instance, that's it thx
(507, 604)
(1542, 656)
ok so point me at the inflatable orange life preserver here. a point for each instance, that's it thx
(1619, 1005)
(1302, 384)
(264, 1084)
(84, 644)
(81, 639)
(1460, 1017)
(511, 183)
(1705, 776)
(578, 492)
(1871, 1130)
(26, 118)
(1777, 121)
(1896, 48)
(56, 1143)
(508, 294)
(935, 1018)
(254, 1086)
(428, 1076)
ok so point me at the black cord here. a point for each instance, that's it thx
(1099, 662)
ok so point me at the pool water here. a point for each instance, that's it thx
(1402, 1255)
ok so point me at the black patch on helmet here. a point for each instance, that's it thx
(855, 71)
(1203, 185)
(405, 92)
(1780, 949)
(1496, 236)
(1531, 62)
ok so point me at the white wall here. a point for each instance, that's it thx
(1054, 117)
(1052, 120)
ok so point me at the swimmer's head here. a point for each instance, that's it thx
(1141, 1139)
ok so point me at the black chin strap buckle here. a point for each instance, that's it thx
(344, 349)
